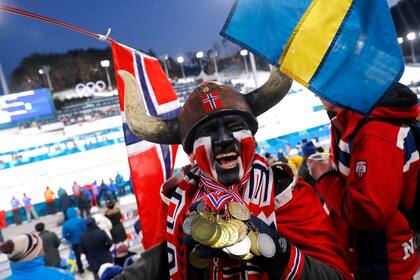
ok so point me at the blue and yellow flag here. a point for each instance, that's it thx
(345, 51)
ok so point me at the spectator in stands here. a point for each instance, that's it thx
(104, 192)
(84, 203)
(307, 149)
(29, 208)
(113, 189)
(95, 244)
(17, 218)
(294, 160)
(281, 157)
(101, 221)
(1, 236)
(49, 196)
(92, 197)
(50, 243)
(65, 201)
(119, 181)
(76, 189)
(271, 160)
(72, 229)
(26, 259)
(95, 192)
(114, 215)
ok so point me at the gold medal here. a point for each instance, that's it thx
(247, 257)
(242, 228)
(215, 237)
(197, 261)
(254, 248)
(239, 211)
(223, 239)
(233, 233)
(203, 230)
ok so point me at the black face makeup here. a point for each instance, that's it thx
(224, 147)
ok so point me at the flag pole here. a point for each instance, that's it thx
(100, 37)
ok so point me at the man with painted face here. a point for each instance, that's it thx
(216, 127)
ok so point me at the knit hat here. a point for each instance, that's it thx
(90, 221)
(22, 248)
(108, 270)
(308, 149)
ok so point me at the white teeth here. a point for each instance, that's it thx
(229, 165)
(219, 156)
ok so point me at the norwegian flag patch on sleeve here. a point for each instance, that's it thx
(360, 169)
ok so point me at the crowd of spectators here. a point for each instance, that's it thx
(36, 255)
(91, 224)
(83, 197)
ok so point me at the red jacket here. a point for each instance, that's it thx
(302, 220)
(377, 176)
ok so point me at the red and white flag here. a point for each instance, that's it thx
(150, 164)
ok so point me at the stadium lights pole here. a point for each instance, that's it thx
(200, 56)
(105, 64)
(254, 68)
(180, 60)
(244, 53)
(411, 37)
(3, 82)
(45, 70)
(165, 58)
(213, 55)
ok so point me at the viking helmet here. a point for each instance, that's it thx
(207, 100)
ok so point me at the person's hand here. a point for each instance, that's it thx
(274, 249)
(318, 167)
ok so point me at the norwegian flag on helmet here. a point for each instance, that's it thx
(150, 164)
(211, 101)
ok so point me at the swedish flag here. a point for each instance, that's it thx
(345, 51)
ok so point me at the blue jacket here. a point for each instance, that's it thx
(15, 203)
(35, 269)
(112, 186)
(73, 227)
(26, 201)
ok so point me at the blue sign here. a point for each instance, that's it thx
(25, 106)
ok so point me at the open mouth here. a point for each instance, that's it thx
(227, 160)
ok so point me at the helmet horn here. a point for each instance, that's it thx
(156, 130)
(270, 93)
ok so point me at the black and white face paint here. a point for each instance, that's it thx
(224, 148)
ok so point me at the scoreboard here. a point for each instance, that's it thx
(25, 106)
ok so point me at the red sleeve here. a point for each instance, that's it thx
(305, 224)
(367, 200)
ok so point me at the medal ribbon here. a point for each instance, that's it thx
(216, 195)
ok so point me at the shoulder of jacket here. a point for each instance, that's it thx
(380, 130)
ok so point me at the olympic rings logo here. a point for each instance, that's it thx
(90, 88)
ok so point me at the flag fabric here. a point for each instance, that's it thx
(150, 164)
(344, 51)
(70, 263)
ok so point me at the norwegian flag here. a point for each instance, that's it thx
(211, 101)
(150, 164)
